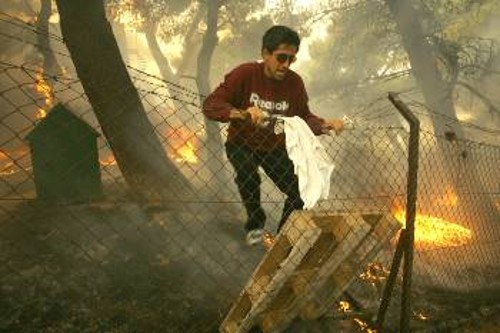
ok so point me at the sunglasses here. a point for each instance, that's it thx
(283, 57)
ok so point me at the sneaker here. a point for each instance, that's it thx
(254, 236)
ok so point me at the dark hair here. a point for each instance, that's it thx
(277, 35)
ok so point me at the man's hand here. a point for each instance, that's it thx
(333, 124)
(253, 114)
(256, 115)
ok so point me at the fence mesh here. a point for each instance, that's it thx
(115, 264)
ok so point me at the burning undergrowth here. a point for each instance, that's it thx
(434, 232)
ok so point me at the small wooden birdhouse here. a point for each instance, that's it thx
(65, 158)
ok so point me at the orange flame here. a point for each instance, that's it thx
(268, 240)
(7, 169)
(432, 231)
(43, 88)
(182, 146)
(420, 316)
(344, 306)
(449, 198)
(108, 161)
(11, 162)
(363, 326)
(186, 153)
(374, 273)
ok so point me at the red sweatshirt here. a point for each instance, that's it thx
(246, 86)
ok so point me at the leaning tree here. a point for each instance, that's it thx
(116, 102)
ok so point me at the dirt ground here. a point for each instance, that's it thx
(119, 267)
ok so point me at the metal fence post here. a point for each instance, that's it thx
(406, 244)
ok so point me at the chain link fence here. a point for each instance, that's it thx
(114, 264)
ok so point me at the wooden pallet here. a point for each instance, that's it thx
(323, 298)
(320, 290)
(305, 254)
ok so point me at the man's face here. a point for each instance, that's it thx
(276, 63)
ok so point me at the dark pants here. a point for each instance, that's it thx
(277, 166)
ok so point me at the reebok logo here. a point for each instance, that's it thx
(269, 106)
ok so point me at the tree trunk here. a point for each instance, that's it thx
(424, 64)
(50, 65)
(166, 72)
(163, 63)
(213, 138)
(437, 94)
(116, 102)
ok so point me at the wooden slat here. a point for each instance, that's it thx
(357, 231)
(297, 237)
(314, 258)
(383, 228)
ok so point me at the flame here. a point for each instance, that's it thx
(7, 170)
(108, 161)
(186, 153)
(268, 240)
(43, 88)
(449, 198)
(344, 306)
(374, 272)
(420, 316)
(8, 165)
(432, 231)
(363, 326)
(182, 146)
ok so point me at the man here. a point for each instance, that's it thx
(250, 97)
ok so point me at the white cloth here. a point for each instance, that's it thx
(312, 165)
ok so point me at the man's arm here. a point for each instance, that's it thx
(221, 104)
(253, 114)
(218, 105)
(336, 125)
(224, 102)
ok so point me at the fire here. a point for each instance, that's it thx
(108, 161)
(420, 316)
(374, 273)
(43, 88)
(432, 231)
(186, 153)
(344, 306)
(182, 146)
(7, 170)
(449, 198)
(268, 240)
(363, 326)
(8, 165)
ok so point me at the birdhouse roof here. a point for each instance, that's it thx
(59, 119)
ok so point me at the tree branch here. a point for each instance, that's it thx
(480, 95)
